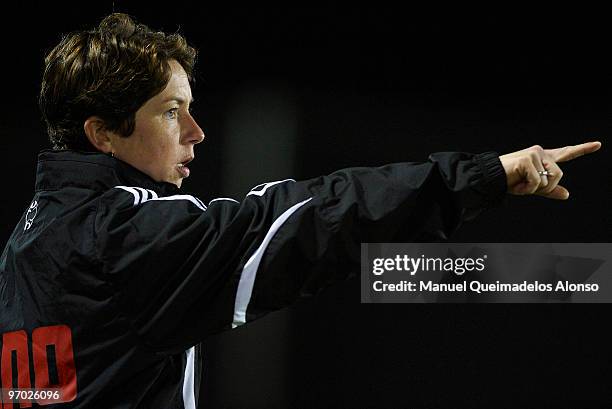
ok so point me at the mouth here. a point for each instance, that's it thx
(182, 168)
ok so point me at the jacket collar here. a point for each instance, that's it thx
(91, 170)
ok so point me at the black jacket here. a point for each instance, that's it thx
(111, 279)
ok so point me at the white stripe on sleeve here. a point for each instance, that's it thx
(261, 191)
(223, 198)
(144, 193)
(132, 191)
(190, 198)
(247, 278)
(188, 383)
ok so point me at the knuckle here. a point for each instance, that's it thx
(537, 149)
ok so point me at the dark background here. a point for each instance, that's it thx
(298, 92)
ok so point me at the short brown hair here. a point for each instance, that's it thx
(110, 72)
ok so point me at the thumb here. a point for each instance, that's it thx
(559, 193)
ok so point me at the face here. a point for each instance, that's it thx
(164, 134)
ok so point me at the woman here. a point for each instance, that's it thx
(114, 276)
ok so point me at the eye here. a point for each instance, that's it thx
(171, 113)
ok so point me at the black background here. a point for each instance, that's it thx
(372, 85)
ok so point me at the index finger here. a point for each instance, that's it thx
(573, 151)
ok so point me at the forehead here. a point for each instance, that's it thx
(178, 85)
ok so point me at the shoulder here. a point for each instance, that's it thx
(130, 201)
(128, 197)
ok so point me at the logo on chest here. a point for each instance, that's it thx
(31, 215)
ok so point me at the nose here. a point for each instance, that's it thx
(193, 134)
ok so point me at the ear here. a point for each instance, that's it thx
(97, 134)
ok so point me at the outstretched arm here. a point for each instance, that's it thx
(172, 260)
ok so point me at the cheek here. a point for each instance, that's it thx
(157, 144)
(166, 150)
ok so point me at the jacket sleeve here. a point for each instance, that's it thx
(183, 271)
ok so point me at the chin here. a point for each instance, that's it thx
(174, 181)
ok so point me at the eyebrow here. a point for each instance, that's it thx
(179, 100)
